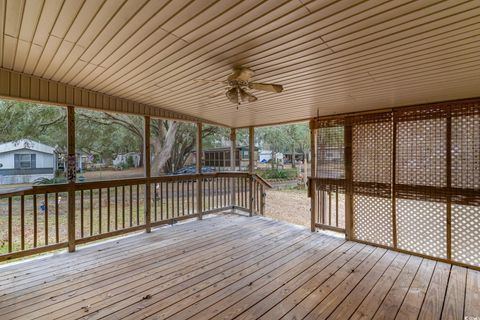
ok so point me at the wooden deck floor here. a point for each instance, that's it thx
(229, 267)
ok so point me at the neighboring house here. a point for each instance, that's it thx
(220, 157)
(25, 160)
(299, 156)
(266, 155)
(122, 159)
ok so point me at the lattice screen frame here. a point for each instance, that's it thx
(437, 147)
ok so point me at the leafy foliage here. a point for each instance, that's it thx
(284, 174)
(105, 135)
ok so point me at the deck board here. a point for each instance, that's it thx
(234, 267)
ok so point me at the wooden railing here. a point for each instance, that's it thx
(329, 209)
(37, 219)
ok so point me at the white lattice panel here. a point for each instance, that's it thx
(422, 227)
(372, 219)
(372, 152)
(421, 152)
(466, 234)
(466, 151)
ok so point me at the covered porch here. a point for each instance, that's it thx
(390, 92)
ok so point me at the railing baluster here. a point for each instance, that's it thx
(155, 196)
(211, 201)
(57, 229)
(123, 207)
(91, 212)
(99, 211)
(223, 192)
(245, 193)
(35, 221)
(238, 190)
(188, 196)
(336, 206)
(131, 204)
(10, 217)
(329, 208)
(262, 200)
(204, 193)
(194, 184)
(108, 209)
(167, 200)
(161, 201)
(116, 208)
(22, 222)
(45, 220)
(81, 215)
(138, 204)
(183, 198)
(178, 198)
(217, 181)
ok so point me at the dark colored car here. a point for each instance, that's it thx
(193, 169)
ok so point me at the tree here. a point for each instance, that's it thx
(21, 120)
(273, 138)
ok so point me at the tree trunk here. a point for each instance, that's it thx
(162, 149)
(305, 169)
(293, 156)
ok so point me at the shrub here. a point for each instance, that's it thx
(130, 162)
(284, 174)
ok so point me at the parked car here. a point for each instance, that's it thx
(193, 170)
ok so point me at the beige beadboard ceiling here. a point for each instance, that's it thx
(330, 56)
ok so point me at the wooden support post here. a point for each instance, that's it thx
(251, 167)
(349, 183)
(394, 181)
(262, 200)
(71, 176)
(198, 163)
(148, 174)
(449, 185)
(313, 173)
(233, 142)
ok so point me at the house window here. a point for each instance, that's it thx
(25, 161)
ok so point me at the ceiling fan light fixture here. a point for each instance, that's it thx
(247, 97)
(232, 95)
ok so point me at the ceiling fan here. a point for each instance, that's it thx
(238, 85)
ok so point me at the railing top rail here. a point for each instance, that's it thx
(8, 192)
(263, 181)
(52, 188)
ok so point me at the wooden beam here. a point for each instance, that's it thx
(449, 184)
(148, 173)
(233, 142)
(71, 176)
(251, 166)
(394, 181)
(313, 173)
(198, 164)
(349, 179)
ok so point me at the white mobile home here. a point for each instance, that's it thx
(25, 160)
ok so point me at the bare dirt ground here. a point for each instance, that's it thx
(289, 205)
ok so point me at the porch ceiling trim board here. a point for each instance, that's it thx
(20, 86)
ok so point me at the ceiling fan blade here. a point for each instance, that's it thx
(210, 81)
(241, 74)
(218, 94)
(266, 87)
